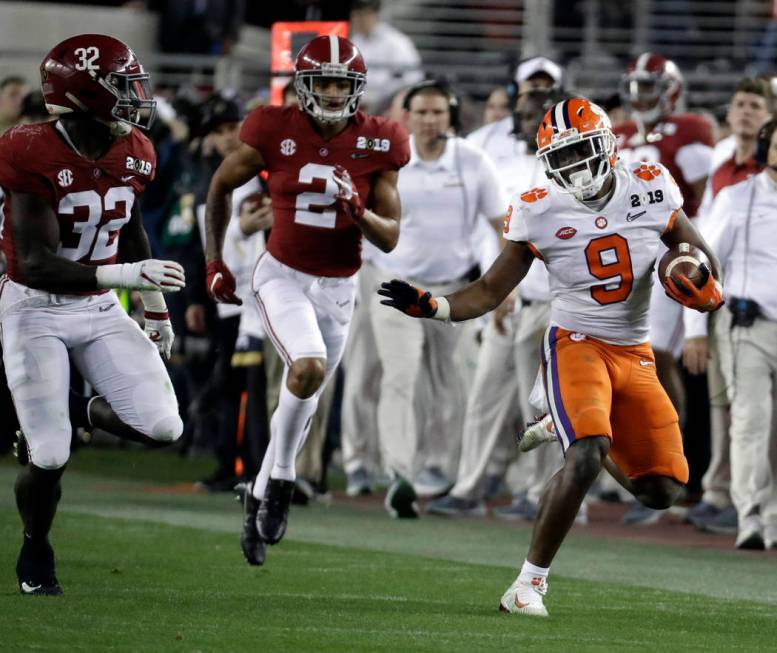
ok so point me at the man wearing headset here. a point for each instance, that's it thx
(740, 226)
(445, 187)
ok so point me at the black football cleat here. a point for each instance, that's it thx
(273, 515)
(254, 547)
(20, 449)
(401, 500)
(35, 569)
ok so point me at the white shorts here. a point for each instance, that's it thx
(305, 316)
(666, 321)
(41, 332)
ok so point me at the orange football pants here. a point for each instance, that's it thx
(594, 388)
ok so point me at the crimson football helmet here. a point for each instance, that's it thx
(652, 87)
(100, 76)
(329, 57)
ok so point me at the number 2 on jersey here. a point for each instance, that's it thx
(608, 257)
(323, 216)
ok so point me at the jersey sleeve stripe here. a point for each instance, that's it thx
(535, 251)
(672, 220)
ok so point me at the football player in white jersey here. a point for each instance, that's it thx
(597, 228)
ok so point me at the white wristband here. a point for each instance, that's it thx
(153, 301)
(443, 309)
(112, 276)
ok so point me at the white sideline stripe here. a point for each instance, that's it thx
(334, 49)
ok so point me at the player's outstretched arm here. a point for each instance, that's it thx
(472, 301)
(710, 296)
(36, 238)
(381, 224)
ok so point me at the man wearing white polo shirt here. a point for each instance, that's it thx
(740, 228)
(444, 189)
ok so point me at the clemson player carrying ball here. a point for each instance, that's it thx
(597, 228)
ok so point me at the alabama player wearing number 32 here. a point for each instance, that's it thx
(332, 179)
(72, 230)
(597, 228)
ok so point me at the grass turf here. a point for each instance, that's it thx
(149, 571)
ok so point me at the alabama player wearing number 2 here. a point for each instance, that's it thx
(72, 187)
(333, 177)
(597, 228)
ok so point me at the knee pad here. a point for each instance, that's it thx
(167, 429)
(52, 454)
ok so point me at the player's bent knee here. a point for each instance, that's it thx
(167, 429)
(306, 376)
(585, 458)
(657, 492)
(52, 455)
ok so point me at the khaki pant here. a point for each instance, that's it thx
(752, 380)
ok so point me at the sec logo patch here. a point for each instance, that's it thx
(288, 146)
(65, 178)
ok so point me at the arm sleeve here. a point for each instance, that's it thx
(694, 161)
(255, 129)
(400, 147)
(492, 199)
(16, 173)
(516, 227)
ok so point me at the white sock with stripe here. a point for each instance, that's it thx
(530, 571)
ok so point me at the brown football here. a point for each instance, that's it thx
(682, 259)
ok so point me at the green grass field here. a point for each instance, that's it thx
(148, 568)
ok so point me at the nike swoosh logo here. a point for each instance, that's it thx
(29, 589)
(631, 218)
(128, 178)
(646, 363)
(520, 604)
(106, 307)
(345, 303)
(359, 155)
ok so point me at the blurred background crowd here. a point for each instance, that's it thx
(210, 65)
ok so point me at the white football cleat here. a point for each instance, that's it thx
(537, 433)
(525, 597)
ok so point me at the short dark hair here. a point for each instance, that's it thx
(757, 86)
(374, 5)
(12, 79)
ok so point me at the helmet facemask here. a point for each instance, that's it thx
(135, 105)
(645, 89)
(579, 163)
(314, 102)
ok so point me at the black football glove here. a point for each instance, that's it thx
(406, 298)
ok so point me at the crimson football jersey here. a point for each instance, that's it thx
(310, 232)
(682, 142)
(91, 199)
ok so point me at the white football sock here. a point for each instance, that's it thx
(290, 419)
(529, 571)
(260, 482)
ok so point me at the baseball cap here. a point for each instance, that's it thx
(536, 65)
(218, 110)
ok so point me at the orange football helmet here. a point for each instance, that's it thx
(577, 146)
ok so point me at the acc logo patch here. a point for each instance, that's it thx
(65, 177)
(534, 194)
(565, 233)
(600, 222)
(647, 171)
(288, 146)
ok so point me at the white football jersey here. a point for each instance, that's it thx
(600, 262)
